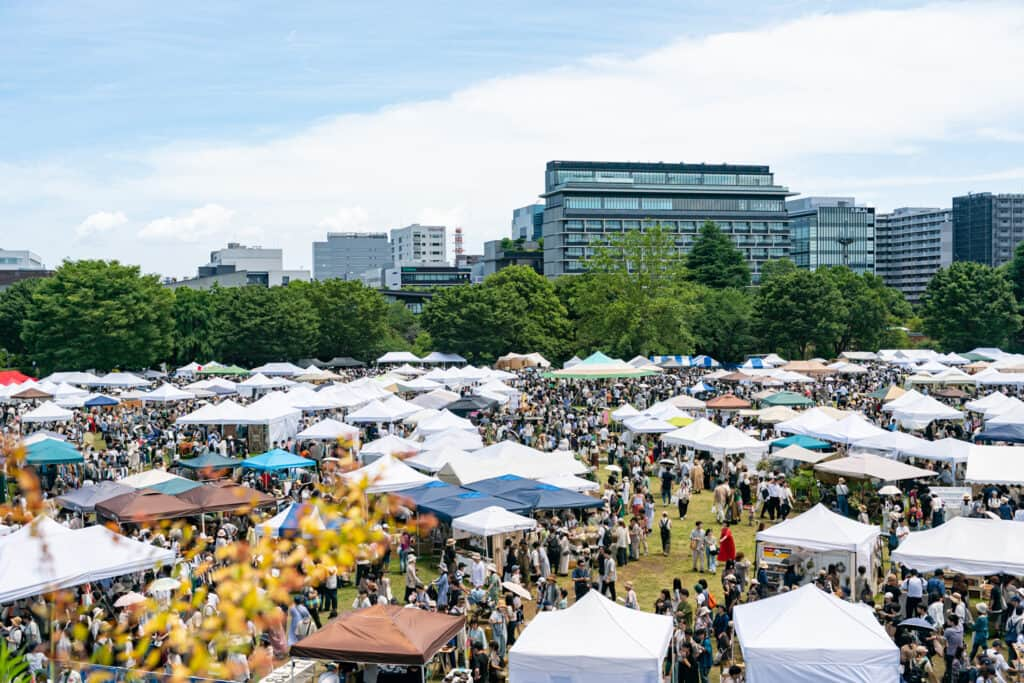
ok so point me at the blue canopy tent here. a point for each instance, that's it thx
(52, 452)
(808, 442)
(1011, 433)
(276, 460)
(210, 460)
(173, 487)
(289, 522)
(446, 502)
(101, 401)
(534, 495)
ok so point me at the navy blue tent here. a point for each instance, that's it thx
(446, 502)
(533, 494)
(1012, 433)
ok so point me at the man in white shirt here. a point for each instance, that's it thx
(914, 587)
(478, 572)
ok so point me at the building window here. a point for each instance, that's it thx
(621, 203)
(583, 202)
(656, 204)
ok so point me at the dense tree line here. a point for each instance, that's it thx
(637, 296)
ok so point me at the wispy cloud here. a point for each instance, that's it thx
(100, 222)
(211, 220)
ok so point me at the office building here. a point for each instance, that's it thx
(588, 203)
(832, 231)
(415, 277)
(419, 244)
(987, 227)
(238, 266)
(346, 255)
(528, 222)
(20, 264)
(911, 244)
(500, 254)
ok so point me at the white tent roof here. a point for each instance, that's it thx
(729, 441)
(225, 412)
(593, 641)
(892, 442)
(795, 452)
(571, 482)
(47, 412)
(647, 424)
(418, 385)
(83, 378)
(624, 411)
(119, 379)
(436, 399)
(920, 413)
(821, 529)
(460, 438)
(509, 457)
(848, 430)
(375, 411)
(973, 546)
(868, 466)
(1010, 412)
(45, 556)
(444, 421)
(807, 636)
(491, 521)
(944, 450)
(905, 399)
(1007, 405)
(665, 410)
(808, 421)
(390, 444)
(167, 393)
(399, 357)
(995, 465)
(407, 370)
(283, 369)
(387, 474)
(328, 430)
(438, 357)
(148, 478)
(692, 433)
(980, 405)
(434, 459)
(304, 398)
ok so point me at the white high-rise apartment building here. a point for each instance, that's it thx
(419, 244)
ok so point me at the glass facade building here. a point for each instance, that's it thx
(587, 203)
(832, 231)
(528, 222)
(987, 227)
(911, 244)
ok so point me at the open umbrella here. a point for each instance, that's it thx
(164, 584)
(666, 461)
(917, 622)
(890, 490)
(129, 599)
(513, 587)
(613, 468)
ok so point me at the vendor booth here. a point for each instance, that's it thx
(813, 541)
(593, 641)
(807, 636)
(977, 547)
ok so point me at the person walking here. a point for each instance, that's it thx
(842, 497)
(697, 548)
(683, 497)
(980, 639)
(665, 529)
(726, 545)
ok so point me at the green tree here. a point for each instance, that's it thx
(459, 319)
(868, 312)
(192, 312)
(98, 314)
(403, 324)
(775, 268)
(15, 304)
(256, 325)
(970, 304)
(714, 261)
(353, 319)
(1014, 269)
(636, 299)
(797, 309)
(724, 325)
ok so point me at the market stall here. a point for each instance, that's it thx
(977, 547)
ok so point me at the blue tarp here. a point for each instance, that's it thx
(446, 502)
(276, 459)
(1012, 433)
(534, 495)
(808, 442)
(101, 401)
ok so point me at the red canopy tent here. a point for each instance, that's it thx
(381, 634)
(13, 377)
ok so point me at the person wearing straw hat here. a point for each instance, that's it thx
(842, 497)
(980, 638)
(411, 577)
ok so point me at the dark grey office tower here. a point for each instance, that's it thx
(911, 244)
(588, 202)
(987, 227)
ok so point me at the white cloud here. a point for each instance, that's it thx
(794, 95)
(207, 221)
(100, 222)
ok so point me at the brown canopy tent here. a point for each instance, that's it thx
(808, 367)
(381, 634)
(32, 393)
(144, 506)
(727, 402)
(226, 497)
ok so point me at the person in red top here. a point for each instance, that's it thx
(726, 545)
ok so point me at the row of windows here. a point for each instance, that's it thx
(728, 227)
(678, 204)
(659, 178)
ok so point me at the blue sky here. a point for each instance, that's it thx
(154, 132)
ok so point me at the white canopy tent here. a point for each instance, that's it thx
(433, 460)
(437, 399)
(276, 413)
(376, 412)
(698, 430)
(808, 636)
(47, 412)
(922, 412)
(995, 465)
(977, 547)
(731, 441)
(848, 430)
(593, 641)
(45, 556)
(509, 457)
(868, 466)
(385, 475)
(981, 405)
(571, 482)
(491, 521)
(647, 424)
(809, 420)
(167, 393)
(624, 411)
(279, 369)
(442, 422)
(459, 438)
(119, 379)
(397, 357)
(389, 444)
(329, 430)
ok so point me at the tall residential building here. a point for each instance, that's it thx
(238, 265)
(588, 203)
(832, 231)
(347, 255)
(987, 227)
(418, 245)
(911, 244)
(528, 222)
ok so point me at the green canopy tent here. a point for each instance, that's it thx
(808, 442)
(52, 452)
(173, 487)
(223, 370)
(975, 357)
(213, 461)
(787, 398)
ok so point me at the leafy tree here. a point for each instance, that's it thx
(637, 299)
(869, 310)
(775, 268)
(403, 324)
(353, 319)
(714, 261)
(255, 325)
(192, 312)
(15, 303)
(98, 314)
(458, 320)
(797, 309)
(1015, 272)
(970, 304)
(724, 325)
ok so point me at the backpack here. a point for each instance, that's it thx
(711, 601)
